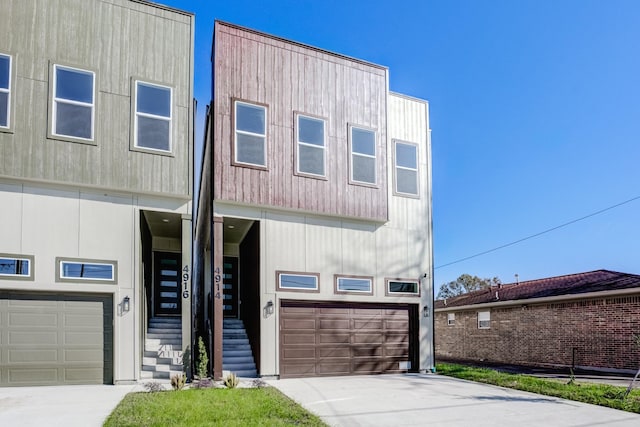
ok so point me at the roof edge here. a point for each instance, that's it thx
(165, 7)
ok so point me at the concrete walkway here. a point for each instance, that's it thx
(434, 400)
(64, 406)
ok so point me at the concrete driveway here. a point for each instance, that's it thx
(434, 400)
(64, 406)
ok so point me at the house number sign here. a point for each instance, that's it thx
(185, 282)
(217, 278)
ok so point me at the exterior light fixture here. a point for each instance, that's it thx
(126, 304)
(270, 308)
(425, 311)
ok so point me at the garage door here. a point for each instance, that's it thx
(55, 339)
(322, 339)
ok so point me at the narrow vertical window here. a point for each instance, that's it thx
(250, 134)
(5, 91)
(73, 102)
(152, 128)
(363, 155)
(406, 168)
(451, 319)
(310, 145)
(484, 319)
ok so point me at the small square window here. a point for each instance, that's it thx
(354, 284)
(403, 287)
(5, 91)
(310, 146)
(406, 168)
(451, 319)
(250, 134)
(362, 144)
(484, 319)
(153, 113)
(73, 103)
(301, 282)
(79, 270)
(16, 267)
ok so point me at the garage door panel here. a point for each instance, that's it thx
(83, 338)
(29, 338)
(23, 357)
(32, 376)
(350, 338)
(299, 323)
(298, 338)
(29, 319)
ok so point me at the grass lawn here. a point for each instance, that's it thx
(597, 394)
(211, 407)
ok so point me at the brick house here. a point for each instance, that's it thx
(586, 320)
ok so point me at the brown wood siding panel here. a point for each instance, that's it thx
(342, 338)
(291, 78)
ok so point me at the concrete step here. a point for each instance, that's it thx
(164, 348)
(166, 354)
(162, 368)
(246, 352)
(242, 374)
(158, 375)
(238, 359)
(234, 341)
(162, 341)
(164, 335)
(237, 366)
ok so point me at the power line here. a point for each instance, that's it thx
(540, 233)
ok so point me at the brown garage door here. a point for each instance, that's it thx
(322, 339)
(55, 339)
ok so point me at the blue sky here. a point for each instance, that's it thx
(535, 116)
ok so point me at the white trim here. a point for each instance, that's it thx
(296, 287)
(56, 100)
(484, 319)
(29, 261)
(362, 279)
(152, 116)
(62, 276)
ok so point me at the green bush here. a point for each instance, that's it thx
(203, 359)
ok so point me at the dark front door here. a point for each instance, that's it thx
(167, 284)
(230, 287)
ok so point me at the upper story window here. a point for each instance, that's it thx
(5, 91)
(354, 284)
(362, 144)
(78, 270)
(310, 145)
(73, 103)
(406, 168)
(291, 281)
(153, 112)
(16, 267)
(250, 134)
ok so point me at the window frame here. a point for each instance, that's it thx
(396, 192)
(336, 284)
(451, 319)
(20, 257)
(10, 92)
(353, 181)
(390, 293)
(234, 139)
(487, 314)
(64, 279)
(297, 171)
(51, 129)
(135, 114)
(280, 273)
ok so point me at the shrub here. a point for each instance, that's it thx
(178, 381)
(231, 380)
(203, 359)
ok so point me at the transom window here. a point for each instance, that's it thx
(250, 140)
(484, 319)
(310, 145)
(153, 116)
(73, 102)
(363, 155)
(74, 270)
(407, 287)
(288, 281)
(16, 267)
(354, 284)
(406, 168)
(451, 319)
(5, 90)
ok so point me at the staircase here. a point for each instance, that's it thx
(236, 350)
(162, 348)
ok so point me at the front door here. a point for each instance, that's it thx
(230, 287)
(167, 284)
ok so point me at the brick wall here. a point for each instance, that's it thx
(600, 330)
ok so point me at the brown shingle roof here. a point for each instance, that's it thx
(593, 281)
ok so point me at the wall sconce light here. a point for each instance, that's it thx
(270, 308)
(126, 304)
(425, 311)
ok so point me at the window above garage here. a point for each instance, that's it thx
(82, 270)
(298, 282)
(16, 267)
(354, 285)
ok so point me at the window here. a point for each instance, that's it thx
(451, 319)
(403, 287)
(250, 140)
(5, 91)
(406, 168)
(153, 112)
(78, 270)
(484, 319)
(16, 267)
(310, 146)
(291, 281)
(363, 155)
(354, 284)
(73, 103)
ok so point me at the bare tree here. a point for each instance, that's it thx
(464, 284)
